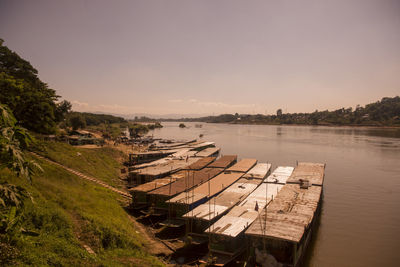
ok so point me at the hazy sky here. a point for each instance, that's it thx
(204, 57)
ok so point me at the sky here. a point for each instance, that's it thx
(209, 57)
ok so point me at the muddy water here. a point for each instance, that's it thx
(360, 219)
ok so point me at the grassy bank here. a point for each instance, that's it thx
(103, 163)
(68, 213)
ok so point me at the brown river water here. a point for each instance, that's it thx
(360, 218)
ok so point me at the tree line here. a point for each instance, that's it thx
(385, 112)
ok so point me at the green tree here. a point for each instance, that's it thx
(279, 112)
(77, 122)
(62, 109)
(32, 102)
(13, 139)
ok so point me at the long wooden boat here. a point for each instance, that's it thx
(148, 156)
(227, 238)
(153, 172)
(139, 193)
(157, 198)
(201, 217)
(283, 231)
(189, 200)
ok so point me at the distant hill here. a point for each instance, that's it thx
(385, 112)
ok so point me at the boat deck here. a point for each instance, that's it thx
(313, 172)
(245, 213)
(280, 175)
(289, 214)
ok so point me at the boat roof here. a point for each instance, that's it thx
(223, 162)
(209, 151)
(259, 171)
(178, 154)
(289, 214)
(154, 152)
(225, 200)
(194, 178)
(243, 166)
(244, 214)
(168, 166)
(313, 172)
(280, 175)
(157, 183)
(209, 189)
(201, 144)
(200, 163)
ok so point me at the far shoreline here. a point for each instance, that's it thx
(294, 124)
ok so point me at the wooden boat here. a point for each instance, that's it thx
(227, 238)
(148, 174)
(157, 198)
(201, 217)
(139, 193)
(283, 231)
(188, 200)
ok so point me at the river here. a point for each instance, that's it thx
(360, 218)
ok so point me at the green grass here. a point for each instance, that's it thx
(68, 212)
(101, 163)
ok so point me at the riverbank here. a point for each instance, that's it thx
(74, 222)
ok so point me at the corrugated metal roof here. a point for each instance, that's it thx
(225, 200)
(260, 171)
(223, 162)
(210, 188)
(171, 165)
(313, 172)
(200, 164)
(157, 183)
(280, 175)
(289, 214)
(243, 166)
(242, 215)
(192, 179)
(179, 154)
